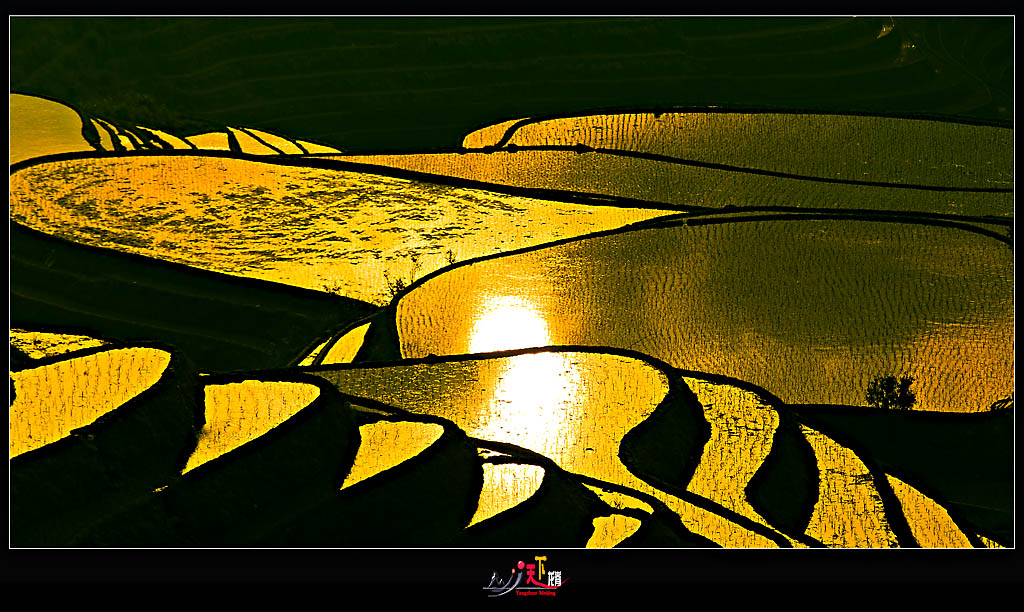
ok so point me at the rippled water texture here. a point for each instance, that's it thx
(571, 407)
(350, 233)
(556, 404)
(810, 310)
(718, 159)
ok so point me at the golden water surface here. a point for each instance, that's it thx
(571, 407)
(345, 349)
(678, 185)
(43, 127)
(237, 413)
(505, 486)
(37, 344)
(831, 146)
(742, 429)
(354, 234)
(811, 310)
(850, 148)
(385, 444)
(53, 400)
(849, 512)
(929, 522)
(487, 136)
(612, 530)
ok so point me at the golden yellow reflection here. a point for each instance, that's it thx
(354, 234)
(849, 512)
(250, 145)
(173, 141)
(346, 348)
(507, 322)
(532, 404)
(43, 127)
(610, 531)
(122, 139)
(572, 407)
(990, 543)
(283, 144)
(888, 148)
(44, 344)
(976, 359)
(679, 185)
(579, 430)
(239, 412)
(531, 383)
(695, 297)
(217, 141)
(105, 141)
(308, 359)
(312, 147)
(929, 522)
(742, 429)
(506, 485)
(487, 136)
(53, 400)
(385, 444)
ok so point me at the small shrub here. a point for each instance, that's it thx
(889, 393)
(335, 288)
(399, 284)
(395, 286)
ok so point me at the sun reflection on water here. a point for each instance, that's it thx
(507, 322)
(536, 397)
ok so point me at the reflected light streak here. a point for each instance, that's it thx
(543, 402)
(536, 396)
(506, 323)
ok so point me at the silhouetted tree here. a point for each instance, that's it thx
(887, 392)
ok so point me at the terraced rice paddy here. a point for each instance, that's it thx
(849, 512)
(354, 234)
(929, 521)
(37, 345)
(591, 367)
(385, 444)
(505, 486)
(718, 160)
(680, 186)
(832, 146)
(51, 401)
(237, 413)
(555, 404)
(573, 408)
(44, 128)
(742, 429)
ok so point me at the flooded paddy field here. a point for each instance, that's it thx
(349, 233)
(603, 444)
(727, 159)
(810, 309)
(354, 357)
